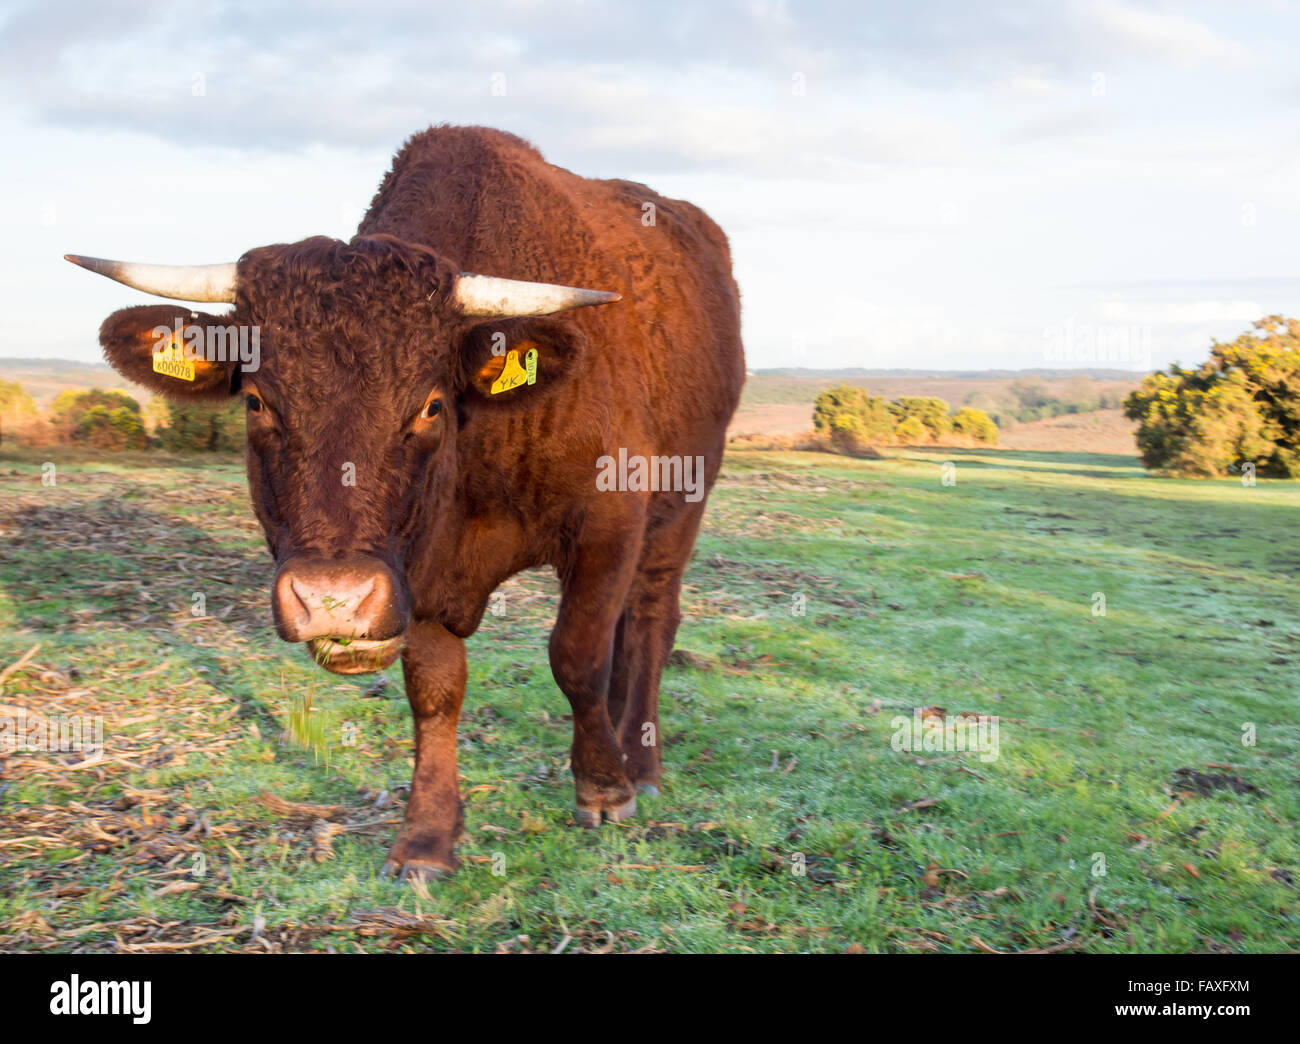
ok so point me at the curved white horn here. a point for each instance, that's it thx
(181, 282)
(490, 296)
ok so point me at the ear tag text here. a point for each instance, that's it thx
(512, 374)
(170, 361)
(530, 364)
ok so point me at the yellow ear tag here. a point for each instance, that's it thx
(512, 374)
(170, 361)
(530, 363)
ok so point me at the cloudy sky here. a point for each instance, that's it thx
(940, 184)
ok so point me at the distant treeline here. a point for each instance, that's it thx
(858, 372)
(1029, 399)
(113, 420)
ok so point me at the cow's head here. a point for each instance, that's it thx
(357, 363)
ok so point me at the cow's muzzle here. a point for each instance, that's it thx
(351, 611)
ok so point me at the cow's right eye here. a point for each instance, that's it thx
(254, 404)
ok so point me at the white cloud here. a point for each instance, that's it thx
(1165, 36)
(1035, 84)
(1158, 313)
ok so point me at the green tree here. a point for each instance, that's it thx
(1268, 360)
(1200, 422)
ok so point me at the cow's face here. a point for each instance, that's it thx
(357, 365)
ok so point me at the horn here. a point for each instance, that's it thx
(490, 296)
(182, 282)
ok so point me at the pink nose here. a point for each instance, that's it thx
(353, 597)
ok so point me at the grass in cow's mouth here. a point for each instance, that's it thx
(787, 820)
(354, 655)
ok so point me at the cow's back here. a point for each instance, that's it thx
(667, 363)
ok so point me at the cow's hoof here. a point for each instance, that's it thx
(417, 870)
(421, 856)
(648, 789)
(593, 817)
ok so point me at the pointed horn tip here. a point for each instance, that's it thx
(91, 264)
(177, 282)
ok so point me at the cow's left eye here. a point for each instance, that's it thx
(432, 408)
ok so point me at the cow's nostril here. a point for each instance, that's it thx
(336, 599)
(331, 599)
(334, 605)
(299, 594)
(362, 614)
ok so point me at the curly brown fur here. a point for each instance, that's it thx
(356, 339)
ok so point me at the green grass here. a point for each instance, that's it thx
(975, 597)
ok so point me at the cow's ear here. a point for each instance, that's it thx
(512, 363)
(173, 351)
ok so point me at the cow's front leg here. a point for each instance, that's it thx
(581, 649)
(433, 664)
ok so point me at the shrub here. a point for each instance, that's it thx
(848, 435)
(155, 414)
(15, 403)
(910, 431)
(873, 420)
(1197, 423)
(198, 427)
(932, 414)
(975, 424)
(103, 419)
(851, 421)
(17, 409)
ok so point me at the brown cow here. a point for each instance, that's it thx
(417, 434)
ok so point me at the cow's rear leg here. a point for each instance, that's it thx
(433, 664)
(581, 650)
(651, 615)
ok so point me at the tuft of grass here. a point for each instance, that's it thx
(305, 730)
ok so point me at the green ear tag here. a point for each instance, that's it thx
(530, 364)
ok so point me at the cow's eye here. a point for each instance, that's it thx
(432, 408)
(254, 404)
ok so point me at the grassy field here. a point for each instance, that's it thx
(1098, 431)
(246, 799)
